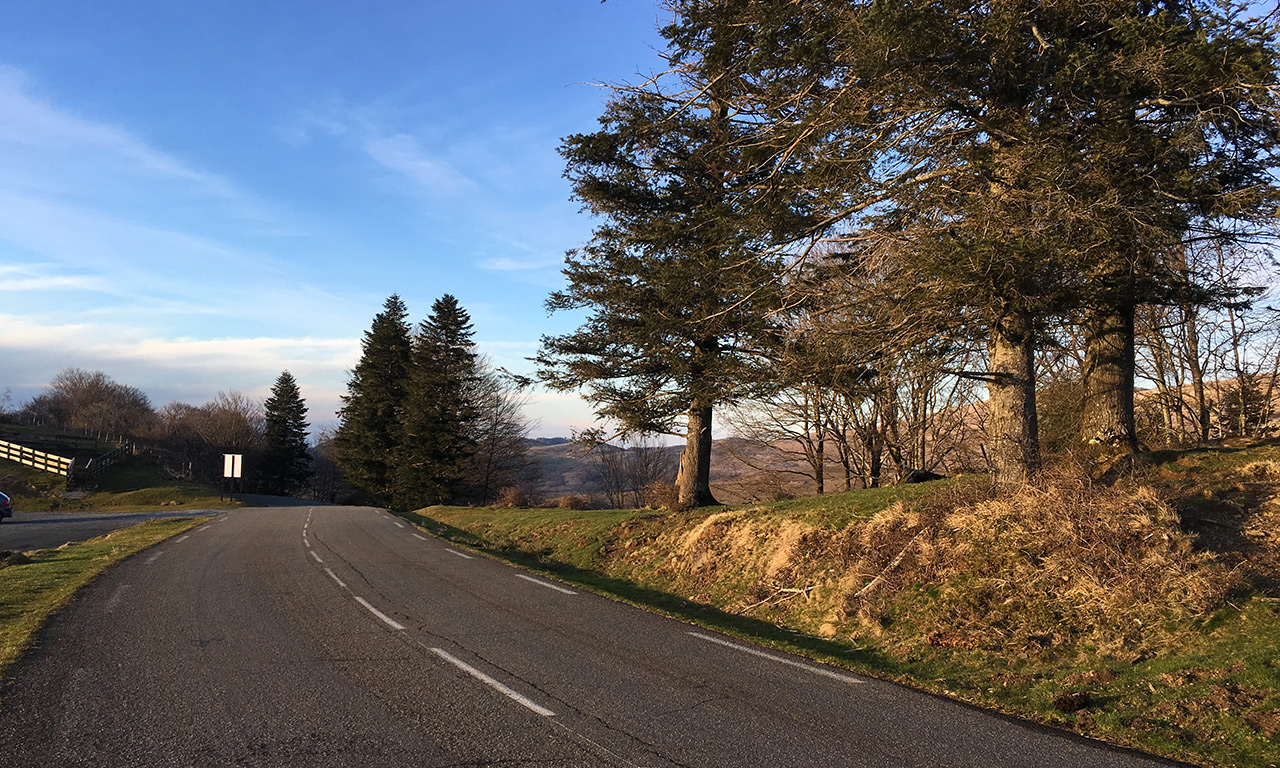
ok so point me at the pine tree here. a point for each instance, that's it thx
(439, 409)
(678, 278)
(370, 432)
(1032, 162)
(286, 460)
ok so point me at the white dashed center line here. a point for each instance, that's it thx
(182, 538)
(317, 557)
(334, 576)
(489, 681)
(419, 536)
(542, 583)
(780, 659)
(153, 558)
(390, 622)
(459, 554)
(398, 524)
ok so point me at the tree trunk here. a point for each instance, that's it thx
(1108, 378)
(1015, 442)
(1197, 374)
(819, 449)
(693, 482)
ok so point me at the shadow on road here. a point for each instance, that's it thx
(263, 500)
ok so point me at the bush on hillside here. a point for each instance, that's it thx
(660, 495)
(512, 497)
(572, 501)
(1064, 562)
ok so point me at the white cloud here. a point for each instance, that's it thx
(181, 368)
(28, 278)
(64, 142)
(404, 155)
(507, 264)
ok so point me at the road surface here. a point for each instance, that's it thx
(340, 636)
(26, 531)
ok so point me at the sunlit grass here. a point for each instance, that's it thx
(1203, 687)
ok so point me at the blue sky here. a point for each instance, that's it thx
(195, 196)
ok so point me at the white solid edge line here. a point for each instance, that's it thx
(780, 659)
(334, 576)
(494, 684)
(542, 583)
(317, 557)
(390, 622)
(459, 554)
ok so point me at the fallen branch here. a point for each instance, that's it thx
(894, 563)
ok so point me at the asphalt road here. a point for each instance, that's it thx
(342, 636)
(26, 531)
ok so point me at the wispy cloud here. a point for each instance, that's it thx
(508, 264)
(15, 278)
(404, 155)
(63, 141)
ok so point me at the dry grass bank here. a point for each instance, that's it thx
(1141, 610)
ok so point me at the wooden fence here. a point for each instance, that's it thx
(47, 462)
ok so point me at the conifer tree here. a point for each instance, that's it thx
(370, 432)
(1030, 162)
(676, 278)
(439, 409)
(286, 460)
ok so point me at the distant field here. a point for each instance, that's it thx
(132, 486)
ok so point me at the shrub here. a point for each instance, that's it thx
(513, 498)
(572, 501)
(661, 495)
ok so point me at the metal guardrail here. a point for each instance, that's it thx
(47, 462)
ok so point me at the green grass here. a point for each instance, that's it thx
(31, 591)
(132, 486)
(839, 509)
(1209, 693)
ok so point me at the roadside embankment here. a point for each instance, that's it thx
(1098, 608)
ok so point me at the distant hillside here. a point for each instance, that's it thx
(548, 440)
(742, 471)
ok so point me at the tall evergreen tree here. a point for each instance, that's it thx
(1033, 161)
(440, 411)
(675, 277)
(286, 460)
(370, 433)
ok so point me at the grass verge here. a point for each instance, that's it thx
(135, 486)
(34, 585)
(1097, 609)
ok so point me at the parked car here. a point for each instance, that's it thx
(6, 508)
